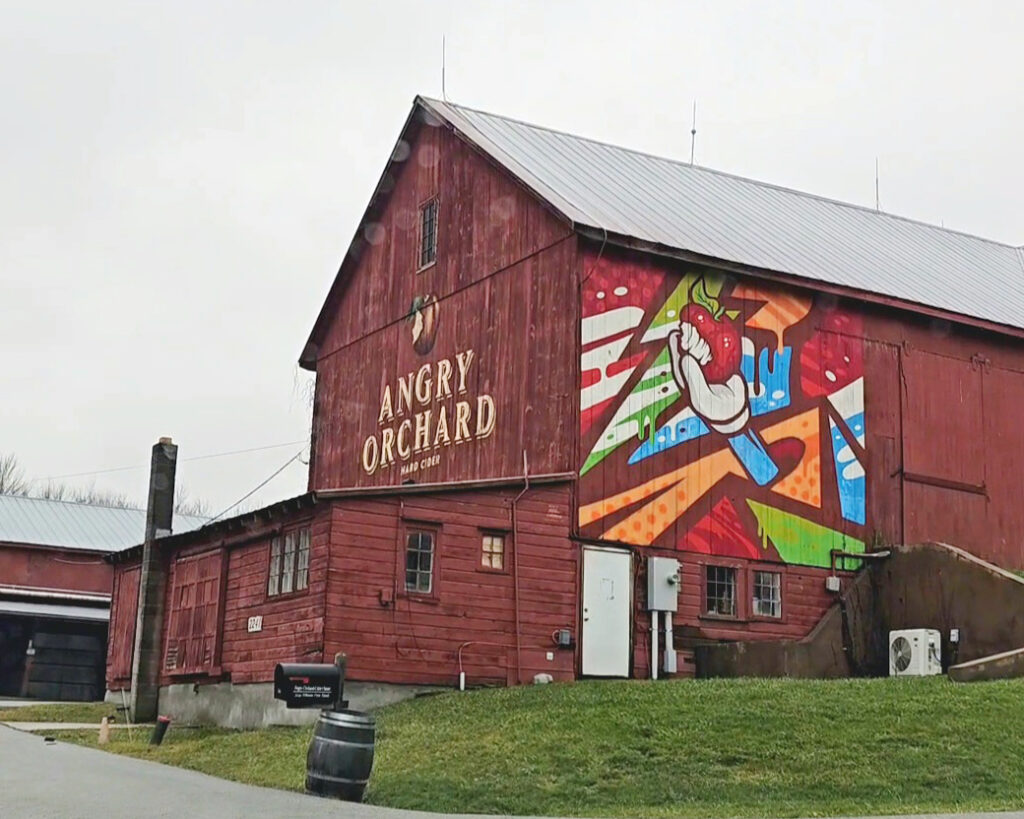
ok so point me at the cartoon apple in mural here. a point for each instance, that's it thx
(706, 316)
(706, 353)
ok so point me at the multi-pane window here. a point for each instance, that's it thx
(767, 594)
(720, 590)
(419, 561)
(493, 552)
(289, 563)
(428, 233)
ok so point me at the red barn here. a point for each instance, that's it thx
(545, 359)
(55, 593)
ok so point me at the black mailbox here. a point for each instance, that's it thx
(310, 685)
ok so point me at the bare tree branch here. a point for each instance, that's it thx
(12, 476)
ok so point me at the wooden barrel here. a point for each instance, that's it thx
(340, 755)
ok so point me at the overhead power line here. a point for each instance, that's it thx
(248, 495)
(146, 466)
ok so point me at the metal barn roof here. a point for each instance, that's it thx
(77, 525)
(684, 207)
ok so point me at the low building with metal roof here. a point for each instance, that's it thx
(55, 590)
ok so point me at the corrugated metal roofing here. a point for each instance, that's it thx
(77, 525)
(695, 209)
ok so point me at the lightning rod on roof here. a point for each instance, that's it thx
(878, 203)
(693, 131)
(444, 94)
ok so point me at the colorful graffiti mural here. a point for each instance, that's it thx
(704, 403)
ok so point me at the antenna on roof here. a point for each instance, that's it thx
(878, 204)
(444, 95)
(693, 131)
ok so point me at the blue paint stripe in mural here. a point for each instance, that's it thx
(774, 388)
(750, 450)
(849, 471)
(669, 436)
(773, 395)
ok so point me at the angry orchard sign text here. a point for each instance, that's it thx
(426, 412)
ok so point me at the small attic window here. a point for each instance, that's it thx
(428, 233)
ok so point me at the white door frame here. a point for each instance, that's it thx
(626, 666)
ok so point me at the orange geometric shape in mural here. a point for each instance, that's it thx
(721, 533)
(780, 311)
(803, 483)
(695, 480)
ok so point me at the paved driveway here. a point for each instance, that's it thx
(61, 781)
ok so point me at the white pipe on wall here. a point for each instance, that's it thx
(654, 645)
(670, 651)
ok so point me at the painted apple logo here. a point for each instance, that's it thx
(423, 316)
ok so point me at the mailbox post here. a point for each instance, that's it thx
(340, 755)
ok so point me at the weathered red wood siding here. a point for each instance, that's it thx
(947, 413)
(292, 628)
(504, 286)
(124, 606)
(398, 637)
(43, 567)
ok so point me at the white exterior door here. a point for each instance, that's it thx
(607, 589)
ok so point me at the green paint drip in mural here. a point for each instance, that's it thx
(799, 540)
(656, 392)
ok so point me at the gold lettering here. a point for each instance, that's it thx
(387, 443)
(424, 384)
(485, 416)
(422, 439)
(444, 377)
(386, 413)
(464, 360)
(370, 454)
(405, 392)
(441, 435)
(462, 421)
(403, 445)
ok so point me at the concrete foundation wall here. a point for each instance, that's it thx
(942, 587)
(252, 705)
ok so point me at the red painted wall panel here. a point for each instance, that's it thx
(121, 631)
(48, 568)
(394, 636)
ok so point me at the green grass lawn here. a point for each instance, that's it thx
(719, 748)
(61, 712)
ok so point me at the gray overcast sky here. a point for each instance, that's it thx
(178, 181)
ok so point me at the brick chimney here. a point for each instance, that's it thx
(153, 584)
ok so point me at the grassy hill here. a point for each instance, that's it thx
(717, 748)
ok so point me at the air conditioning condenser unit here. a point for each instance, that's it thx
(915, 652)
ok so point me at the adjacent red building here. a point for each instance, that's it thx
(544, 360)
(55, 593)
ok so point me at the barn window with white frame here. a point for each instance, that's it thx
(289, 562)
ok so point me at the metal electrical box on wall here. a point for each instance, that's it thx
(662, 584)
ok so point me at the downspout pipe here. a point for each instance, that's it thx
(515, 565)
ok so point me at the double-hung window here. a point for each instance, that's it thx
(419, 561)
(289, 562)
(720, 591)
